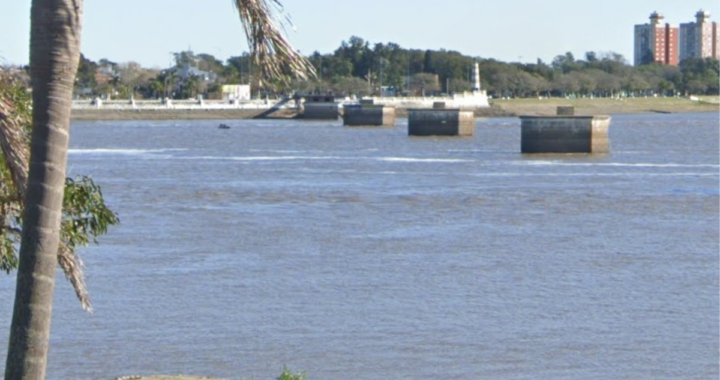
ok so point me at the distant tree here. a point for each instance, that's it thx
(107, 64)
(665, 87)
(660, 78)
(209, 63)
(132, 76)
(357, 52)
(565, 63)
(185, 58)
(190, 87)
(460, 85)
(611, 62)
(700, 76)
(382, 65)
(588, 84)
(155, 88)
(424, 83)
(85, 78)
(336, 68)
(428, 64)
(416, 62)
(634, 84)
(388, 64)
(541, 69)
(450, 65)
(351, 86)
(606, 85)
(567, 85)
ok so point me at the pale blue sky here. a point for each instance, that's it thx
(147, 31)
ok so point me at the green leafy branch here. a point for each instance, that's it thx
(85, 214)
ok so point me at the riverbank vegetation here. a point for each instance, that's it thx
(360, 68)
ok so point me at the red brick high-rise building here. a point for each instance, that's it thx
(656, 42)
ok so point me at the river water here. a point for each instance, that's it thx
(364, 253)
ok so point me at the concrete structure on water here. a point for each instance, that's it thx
(565, 134)
(320, 107)
(440, 122)
(368, 114)
(565, 111)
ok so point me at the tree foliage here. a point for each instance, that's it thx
(85, 214)
(358, 67)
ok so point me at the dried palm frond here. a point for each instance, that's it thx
(271, 51)
(14, 142)
(14, 139)
(73, 268)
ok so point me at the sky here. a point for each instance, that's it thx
(149, 31)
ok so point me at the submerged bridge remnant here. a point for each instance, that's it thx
(368, 114)
(320, 107)
(440, 122)
(565, 133)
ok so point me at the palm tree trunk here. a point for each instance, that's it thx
(54, 56)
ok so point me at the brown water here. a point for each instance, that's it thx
(366, 254)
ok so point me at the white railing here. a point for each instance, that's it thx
(178, 104)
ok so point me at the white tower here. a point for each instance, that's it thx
(476, 77)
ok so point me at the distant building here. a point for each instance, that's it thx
(186, 71)
(231, 92)
(656, 42)
(699, 39)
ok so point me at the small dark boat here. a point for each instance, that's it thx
(224, 126)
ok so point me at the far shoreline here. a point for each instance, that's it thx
(498, 108)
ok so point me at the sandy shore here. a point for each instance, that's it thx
(499, 108)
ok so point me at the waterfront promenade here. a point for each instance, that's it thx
(217, 109)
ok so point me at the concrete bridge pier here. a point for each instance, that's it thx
(440, 122)
(565, 134)
(369, 115)
(320, 107)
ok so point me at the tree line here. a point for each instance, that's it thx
(360, 68)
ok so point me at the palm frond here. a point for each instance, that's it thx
(73, 268)
(271, 51)
(14, 139)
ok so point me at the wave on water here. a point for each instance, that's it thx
(325, 158)
(412, 159)
(128, 152)
(613, 164)
(263, 158)
(284, 151)
(616, 174)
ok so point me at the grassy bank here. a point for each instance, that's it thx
(604, 106)
(499, 108)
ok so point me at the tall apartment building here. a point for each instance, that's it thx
(656, 42)
(699, 39)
